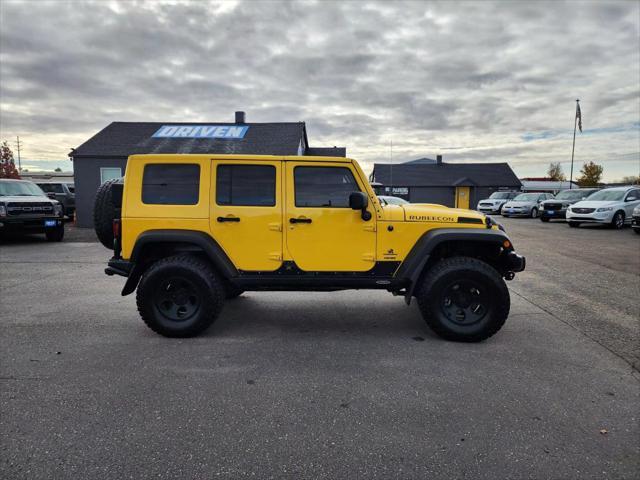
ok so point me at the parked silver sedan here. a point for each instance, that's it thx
(525, 205)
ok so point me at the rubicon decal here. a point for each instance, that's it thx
(431, 218)
(201, 131)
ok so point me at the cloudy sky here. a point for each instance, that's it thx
(474, 81)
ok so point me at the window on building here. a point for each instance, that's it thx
(246, 185)
(171, 184)
(109, 173)
(324, 186)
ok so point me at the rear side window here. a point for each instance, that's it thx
(324, 186)
(170, 184)
(246, 185)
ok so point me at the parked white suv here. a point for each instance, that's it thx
(611, 206)
(494, 203)
(525, 205)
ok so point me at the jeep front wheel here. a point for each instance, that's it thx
(180, 296)
(464, 299)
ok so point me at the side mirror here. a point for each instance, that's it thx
(631, 199)
(51, 195)
(360, 201)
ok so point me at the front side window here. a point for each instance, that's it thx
(246, 185)
(324, 186)
(170, 184)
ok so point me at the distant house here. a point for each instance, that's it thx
(104, 156)
(459, 185)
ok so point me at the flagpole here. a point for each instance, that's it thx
(573, 148)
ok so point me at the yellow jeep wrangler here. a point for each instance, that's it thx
(193, 231)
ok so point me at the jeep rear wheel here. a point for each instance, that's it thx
(464, 299)
(180, 296)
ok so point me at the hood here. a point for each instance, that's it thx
(596, 203)
(427, 212)
(511, 203)
(26, 199)
(563, 202)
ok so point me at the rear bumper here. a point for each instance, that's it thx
(118, 266)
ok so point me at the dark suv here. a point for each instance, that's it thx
(64, 193)
(556, 208)
(25, 208)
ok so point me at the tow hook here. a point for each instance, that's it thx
(509, 275)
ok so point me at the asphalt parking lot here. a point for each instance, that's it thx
(323, 385)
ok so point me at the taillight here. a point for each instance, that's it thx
(116, 238)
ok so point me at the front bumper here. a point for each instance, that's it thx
(28, 224)
(489, 210)
(635, 222)
(553, 213)
(593, 217)
(516, 213)
(512, 262)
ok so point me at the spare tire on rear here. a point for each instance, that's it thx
(106, 208)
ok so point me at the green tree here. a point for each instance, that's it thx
(555, 172)
(7, 165)
(591, 174)
(58, 169)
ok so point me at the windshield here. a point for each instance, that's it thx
(20, 189)
(502, 195)
(394, 200)
(608, 195)
(573, 194)
(527, 197)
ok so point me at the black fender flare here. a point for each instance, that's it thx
(415, 261)
(201, 240)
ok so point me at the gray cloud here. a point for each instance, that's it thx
(477, 76)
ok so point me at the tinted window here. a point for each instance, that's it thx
(51, 187)
(246, 185)
(171, 184)
(324, 186)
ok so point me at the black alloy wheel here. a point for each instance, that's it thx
(177, 299)
(464, 302)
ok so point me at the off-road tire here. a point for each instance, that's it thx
(55, 234)
(544, 219)
(446, 274)
(614, 221)
(231, 291)
(574, 224)
(104, 212)
(208, 288)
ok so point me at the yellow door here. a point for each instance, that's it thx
(322, 232)
(246, 212)
(462, 197)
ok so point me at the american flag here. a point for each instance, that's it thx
(579, 115)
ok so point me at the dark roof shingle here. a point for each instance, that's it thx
(121, 139)
(446, 174)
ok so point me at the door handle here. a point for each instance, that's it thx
(228, 219)
(299, 220)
